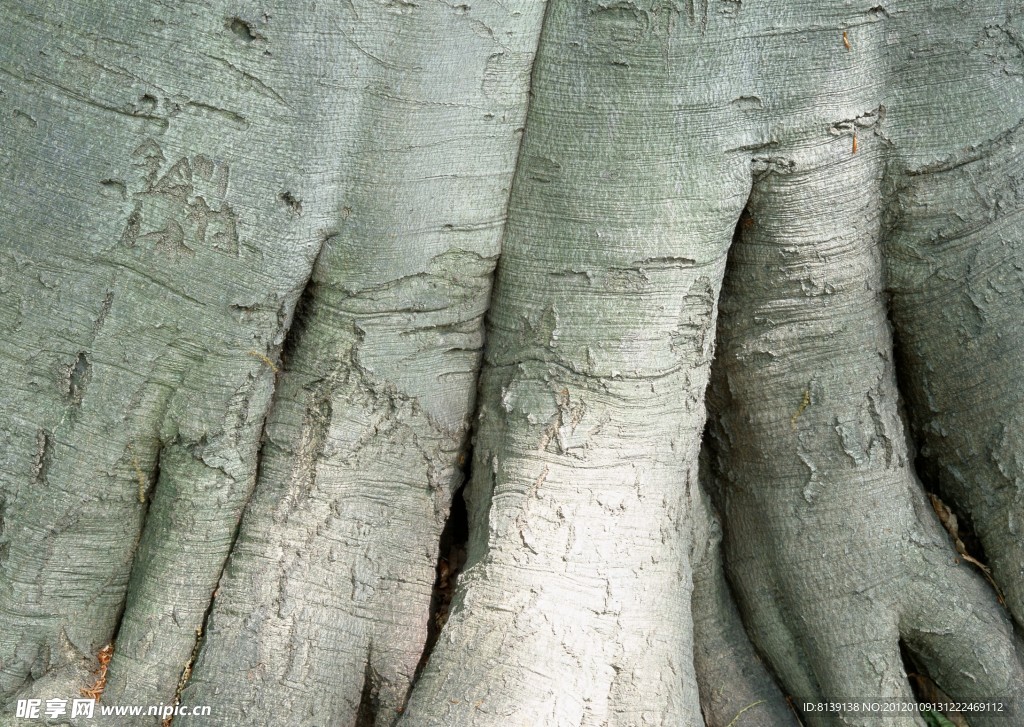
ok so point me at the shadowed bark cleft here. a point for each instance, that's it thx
(451, 559)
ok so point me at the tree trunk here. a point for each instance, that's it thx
(325, 603)
(247, 256)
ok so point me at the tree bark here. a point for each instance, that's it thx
(323, 610)
(246, 255)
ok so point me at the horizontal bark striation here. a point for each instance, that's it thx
(152, 276)
(955, 258)
(830, 542)
(321, 616)
(577, 582)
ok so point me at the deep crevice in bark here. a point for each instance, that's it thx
(960, 526)
(5, 544)
(186, 670)
(148, 482)
(303, 311)
(925, 690)
(296, 326)
(516, 167)
(368, 702)
(451, 559)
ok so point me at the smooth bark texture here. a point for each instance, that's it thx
(325, 603)
(599, 341)
(251, 246)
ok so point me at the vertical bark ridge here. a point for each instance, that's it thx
(600, 324)
(955, 256)
(160, 321)
(362, 449)
(732, 680)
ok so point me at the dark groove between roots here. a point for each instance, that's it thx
(296, 326)
(451, 559)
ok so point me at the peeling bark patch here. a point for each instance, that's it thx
(399, 7)
(79, 374)
(23, 119)
(620, 22)
(315, 427)
(294, 203)
(763, 165)
(1008, 453)
(242, 30)
(730, 8)
(504, 73)
(867, 120)
(666, 262)
(748, 103)
(541, 169)
(113, 188)
(1003, 48)
(693, 332)
(625, 22)
(43, 456)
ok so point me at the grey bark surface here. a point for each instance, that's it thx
(246, 252)
(327, 609)
(599, 340)
(954, 269)
(150, 271)
(735, 686)
(804, 441)
(956, 272)
(820, 499)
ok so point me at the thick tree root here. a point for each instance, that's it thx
(955, 264)
(736, 690)
(577, 565)
(141, 378)
(830, 542)
(322, 615)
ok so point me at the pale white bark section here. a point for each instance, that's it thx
(151, 261)
(322, 614)
(573, 606)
